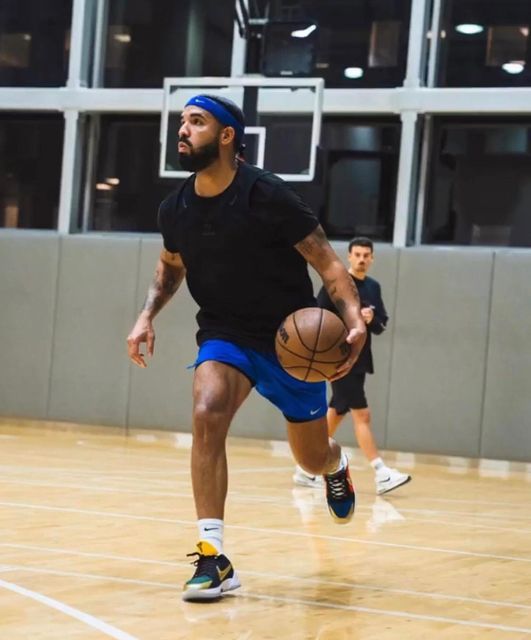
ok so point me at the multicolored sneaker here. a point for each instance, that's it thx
(214, 574)
(340, 493)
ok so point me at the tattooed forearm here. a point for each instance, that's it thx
(337, 296)
(341, 288)
(313, 243)
(164, 285)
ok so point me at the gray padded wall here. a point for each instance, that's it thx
(507, 413)
(439, 351)
(28, 283)
(161, 395)
(95, 301)
(453, 371)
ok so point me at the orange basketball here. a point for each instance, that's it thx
(311, 344)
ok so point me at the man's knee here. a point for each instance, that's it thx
(361, 416)
(209, 414)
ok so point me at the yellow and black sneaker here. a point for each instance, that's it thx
(214, 574)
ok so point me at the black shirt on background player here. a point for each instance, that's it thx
(370, 294)
(242, 268)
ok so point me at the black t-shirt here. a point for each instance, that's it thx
(370, 294)
(238, 249)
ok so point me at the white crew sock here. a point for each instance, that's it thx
(211, 530)
(378, 465)
(343, 461)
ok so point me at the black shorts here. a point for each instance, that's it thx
(349, 393)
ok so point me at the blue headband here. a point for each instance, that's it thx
(219, 112)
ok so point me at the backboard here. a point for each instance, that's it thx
(283, 118)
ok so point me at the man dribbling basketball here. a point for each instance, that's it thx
(243, 239)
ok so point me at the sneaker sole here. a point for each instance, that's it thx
(338, 520)
(203, 595)
(380, 492)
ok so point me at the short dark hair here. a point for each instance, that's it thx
(360, 241)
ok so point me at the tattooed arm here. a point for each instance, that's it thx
(317, 251)
(168, 276)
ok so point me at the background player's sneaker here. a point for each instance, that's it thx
(214, 574)
(340, 493)
(389, 479)
(305, 479)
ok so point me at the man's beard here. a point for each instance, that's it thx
(201, 158)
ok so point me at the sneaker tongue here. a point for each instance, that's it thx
(206, 549)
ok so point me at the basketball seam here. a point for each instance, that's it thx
(298, 355)
(298, 332)
(333, 344)
(308, 367)
(318, 333)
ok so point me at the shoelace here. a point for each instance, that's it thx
(337, 486)
(203, 564)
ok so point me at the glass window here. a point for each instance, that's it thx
(486, 44)
(350, 43)
(147, 41)
(480, 184)
(127, 189)
(31, 148)
(34, 42)
(360, 169)
(353, 193)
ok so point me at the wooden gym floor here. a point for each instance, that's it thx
(95, 526)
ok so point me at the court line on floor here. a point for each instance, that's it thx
(389, 612)
(301, 601)
(95, 623)
(125, 457)
(98, 472)
(119, 475)
(279, 501)
(259, 574)
(269, 531)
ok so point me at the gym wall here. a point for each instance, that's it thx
(453, 370)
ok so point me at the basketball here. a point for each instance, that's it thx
(311, 344)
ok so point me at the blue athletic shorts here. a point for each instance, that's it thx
(299, 401)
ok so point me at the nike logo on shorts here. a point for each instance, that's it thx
(312, 413)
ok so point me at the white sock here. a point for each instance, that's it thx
(301, 470)
(378, 465)
(211, 530)
(343, 461)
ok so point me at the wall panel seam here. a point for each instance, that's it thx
(486, 358)
(55, 311)
(392, 349)
(129, 368)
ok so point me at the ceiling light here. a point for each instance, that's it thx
(122, 37)
(514, 67)
(304, 33)
(469, 29)
(103, 186)
(353, 73)
(112, 181)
